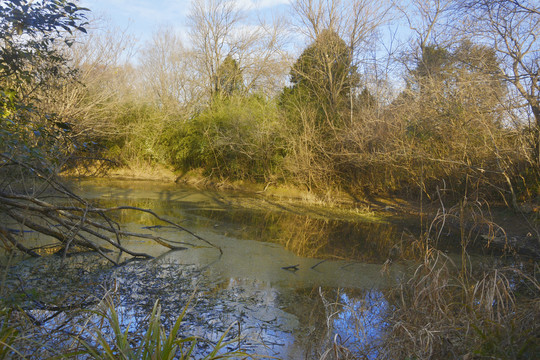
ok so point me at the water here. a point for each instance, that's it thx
(334, 292)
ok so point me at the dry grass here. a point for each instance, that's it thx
(441, 313)
(450, 310)
(140, 170)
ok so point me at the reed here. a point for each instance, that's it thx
(451, 308)
(441, 314)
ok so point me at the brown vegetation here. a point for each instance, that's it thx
(451, 118)
(459, 121)
(442, 313)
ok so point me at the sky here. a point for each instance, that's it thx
(142, 17)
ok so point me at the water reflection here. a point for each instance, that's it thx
(288, 314)
(305, 231)
(287, 322)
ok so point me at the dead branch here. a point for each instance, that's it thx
(78, 225)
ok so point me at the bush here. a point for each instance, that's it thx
(236, 138)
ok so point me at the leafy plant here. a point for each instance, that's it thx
(237, 138)
(155, 343)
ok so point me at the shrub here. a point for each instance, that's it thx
(236, 138)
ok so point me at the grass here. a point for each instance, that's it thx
(8, 335)
(440, 313)
(109, 339)
(154, 343)
(444, 313)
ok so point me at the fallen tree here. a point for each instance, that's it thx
(71, 220)
(36, 143)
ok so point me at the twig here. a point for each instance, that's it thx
(291, 267)
(5, 235)
(317, 264)
(76, 225)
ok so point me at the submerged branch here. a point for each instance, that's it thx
(166, 221)
(5, 235)
(78, 225)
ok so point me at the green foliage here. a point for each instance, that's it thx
(155, 343)
(236, 137)
(468, 77)
(366, 100)
(324, 76)
(8, 334)
(139, 127)
(315, 108)
(110, 339)
(29, 31)
(30, 64)
(229, 78)
(434, 63)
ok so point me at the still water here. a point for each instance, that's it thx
(291, 280)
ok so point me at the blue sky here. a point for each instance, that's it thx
(141, 17)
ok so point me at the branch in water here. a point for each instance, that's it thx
(74, 225)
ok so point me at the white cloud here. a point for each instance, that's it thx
(260, 4)
(271, 3)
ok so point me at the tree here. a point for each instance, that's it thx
(511, 28)
(451, 71)
(433, 64)
(324, 72)
(354, 22)
(220, 28)
(317, 105)
(320, 105)
(366, 100)
(212, 25)
(229, 77)
(30, 63)
(90, 98)
(169, 72)
(454, 118)
(35, 144)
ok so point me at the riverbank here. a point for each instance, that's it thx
(498, 228)
(272, 189)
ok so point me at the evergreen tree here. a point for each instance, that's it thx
(324, 77)
(228, 78)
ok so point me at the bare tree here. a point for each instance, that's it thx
(168, 71)
(512, 28)
(427, 19)
(262, 57)
(219, 29)
(354, 21)
(212, 24)
(101, 59)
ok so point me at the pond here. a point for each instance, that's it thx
(291, 280)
